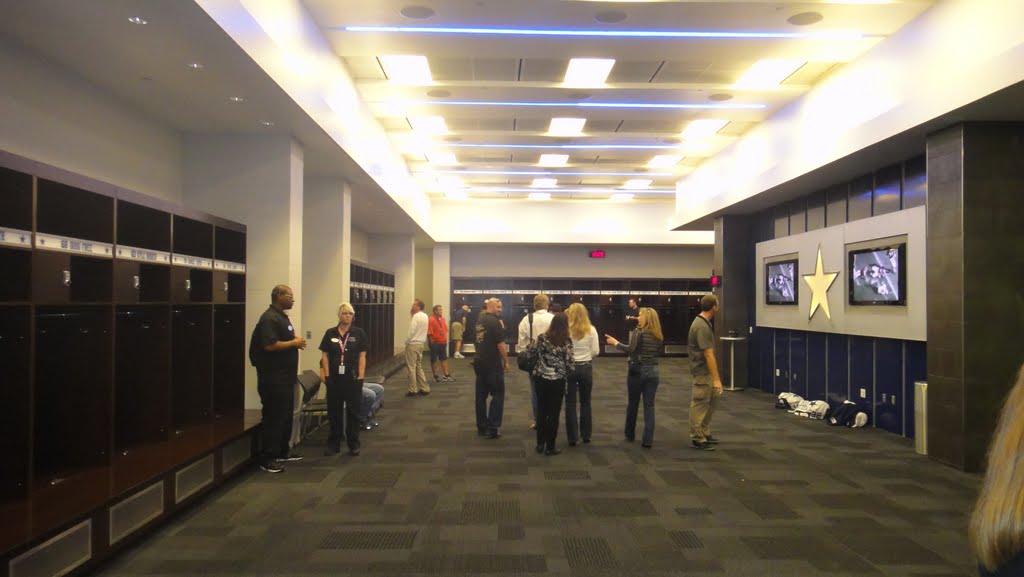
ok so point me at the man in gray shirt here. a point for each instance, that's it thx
(707, 384)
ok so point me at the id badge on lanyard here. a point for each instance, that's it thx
(344, 344)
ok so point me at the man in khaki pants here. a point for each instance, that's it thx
(707, 384)
(414, 343)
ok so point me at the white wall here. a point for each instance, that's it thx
(894, 322)
(424, 276)
(360, 246)
(325, 262)
(51, 116)
(570, 261)
(397, 253)
(953, 54)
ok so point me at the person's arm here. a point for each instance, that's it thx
(412, 330)
(595, 343)
(362, 365)
(324, 363)
(272, 345)
(503, 353)
(524, 334)
(709, 356)
(432, 328)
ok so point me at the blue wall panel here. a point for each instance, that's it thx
(766, 374)
(889, 385)
(915, 369)
(816, 366)
(798, 362)
(862, 373)
(837, 389)
(782, 384)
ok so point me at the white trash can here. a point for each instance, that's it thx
(921, 417)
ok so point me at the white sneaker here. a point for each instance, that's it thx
(458, 356)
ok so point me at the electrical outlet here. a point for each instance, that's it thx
(893, 399)
(794, 376)
(863, 394)
(309, 335)
(883, 397)
(751, 330)
(778, 373)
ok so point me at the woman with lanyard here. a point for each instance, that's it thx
(342, 367)
(642, 380)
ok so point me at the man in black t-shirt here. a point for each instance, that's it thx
(342, 368)
(632, 315)
(490, 364)
(277, 368)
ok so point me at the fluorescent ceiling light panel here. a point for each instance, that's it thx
(636, 105)
(552, 160)
(588, 72)
(406, 69)
(621, 197)
(450, 182)
(440, 157)
(665, 161)
(456, 194)
(429, 124)
(544, 183)
(539, 196)
(566, 126)
(703, 128)
(768, 73)
(724, 34)
(637, 184)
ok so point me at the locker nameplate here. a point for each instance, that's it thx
(74, 245)
(142, 254)
(15, 237)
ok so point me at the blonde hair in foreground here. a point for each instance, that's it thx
(996, 530)
(653, 325)
(579, 321)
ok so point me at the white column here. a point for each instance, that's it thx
(256, 181)
(441, 283)
(326, 257)
(397, 253)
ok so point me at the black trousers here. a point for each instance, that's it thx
(343, 394)
(278, 409)
(549, 406)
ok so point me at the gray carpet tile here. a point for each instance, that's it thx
(780, 496)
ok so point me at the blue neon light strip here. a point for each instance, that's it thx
(549, 173)
(577, 190)
(570, 146)
(604, 33)
(659, 105)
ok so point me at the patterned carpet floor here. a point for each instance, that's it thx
(781, 496)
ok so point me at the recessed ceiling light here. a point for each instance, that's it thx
(417, 12)
(805, 18)
(665, 161)
(429, 124)
(544, 183)
(720, 97)
(196, 66)
(266, 123)
(768, 73)
(566, 126)
(138, 20)
(406, 68)
(539, 196)
(703, 128)
(611, 16)
(621, 197)
(236, 99)
(438, 93)
(588, 71)
(442, 158)
(637, 184)
(553, 160)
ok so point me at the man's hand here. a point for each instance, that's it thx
(717, 386)
(505, 365)
(299, 343)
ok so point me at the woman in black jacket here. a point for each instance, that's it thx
(554, 363)
(644, 348)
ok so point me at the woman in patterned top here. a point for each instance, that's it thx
(645, 345)
(554, 363)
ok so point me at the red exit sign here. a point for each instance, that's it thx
(597, 254)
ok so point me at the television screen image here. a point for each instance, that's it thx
(877, 276)
(780, 283)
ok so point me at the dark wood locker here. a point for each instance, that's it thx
(15, 388)
(191, 376)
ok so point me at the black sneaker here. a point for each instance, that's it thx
(493, 434)
(289, 458)
(711, 440)
(272, 467)
(354, 451)
(331, 451)
(702, 445)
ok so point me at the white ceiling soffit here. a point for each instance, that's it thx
(617, 142)
(914, 77)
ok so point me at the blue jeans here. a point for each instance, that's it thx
(373, 396)
(492, 383)
(580, 380)
(644, 384)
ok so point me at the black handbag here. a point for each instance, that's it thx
(527, 358)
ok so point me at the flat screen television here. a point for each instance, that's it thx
(780, 282)
(878, 275)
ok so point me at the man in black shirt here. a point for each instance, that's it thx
(342, 367)
(632, 315)
(277, 368)
(490, 364)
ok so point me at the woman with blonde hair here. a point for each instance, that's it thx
(644, 348)
(996, 529)
(585, 346)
